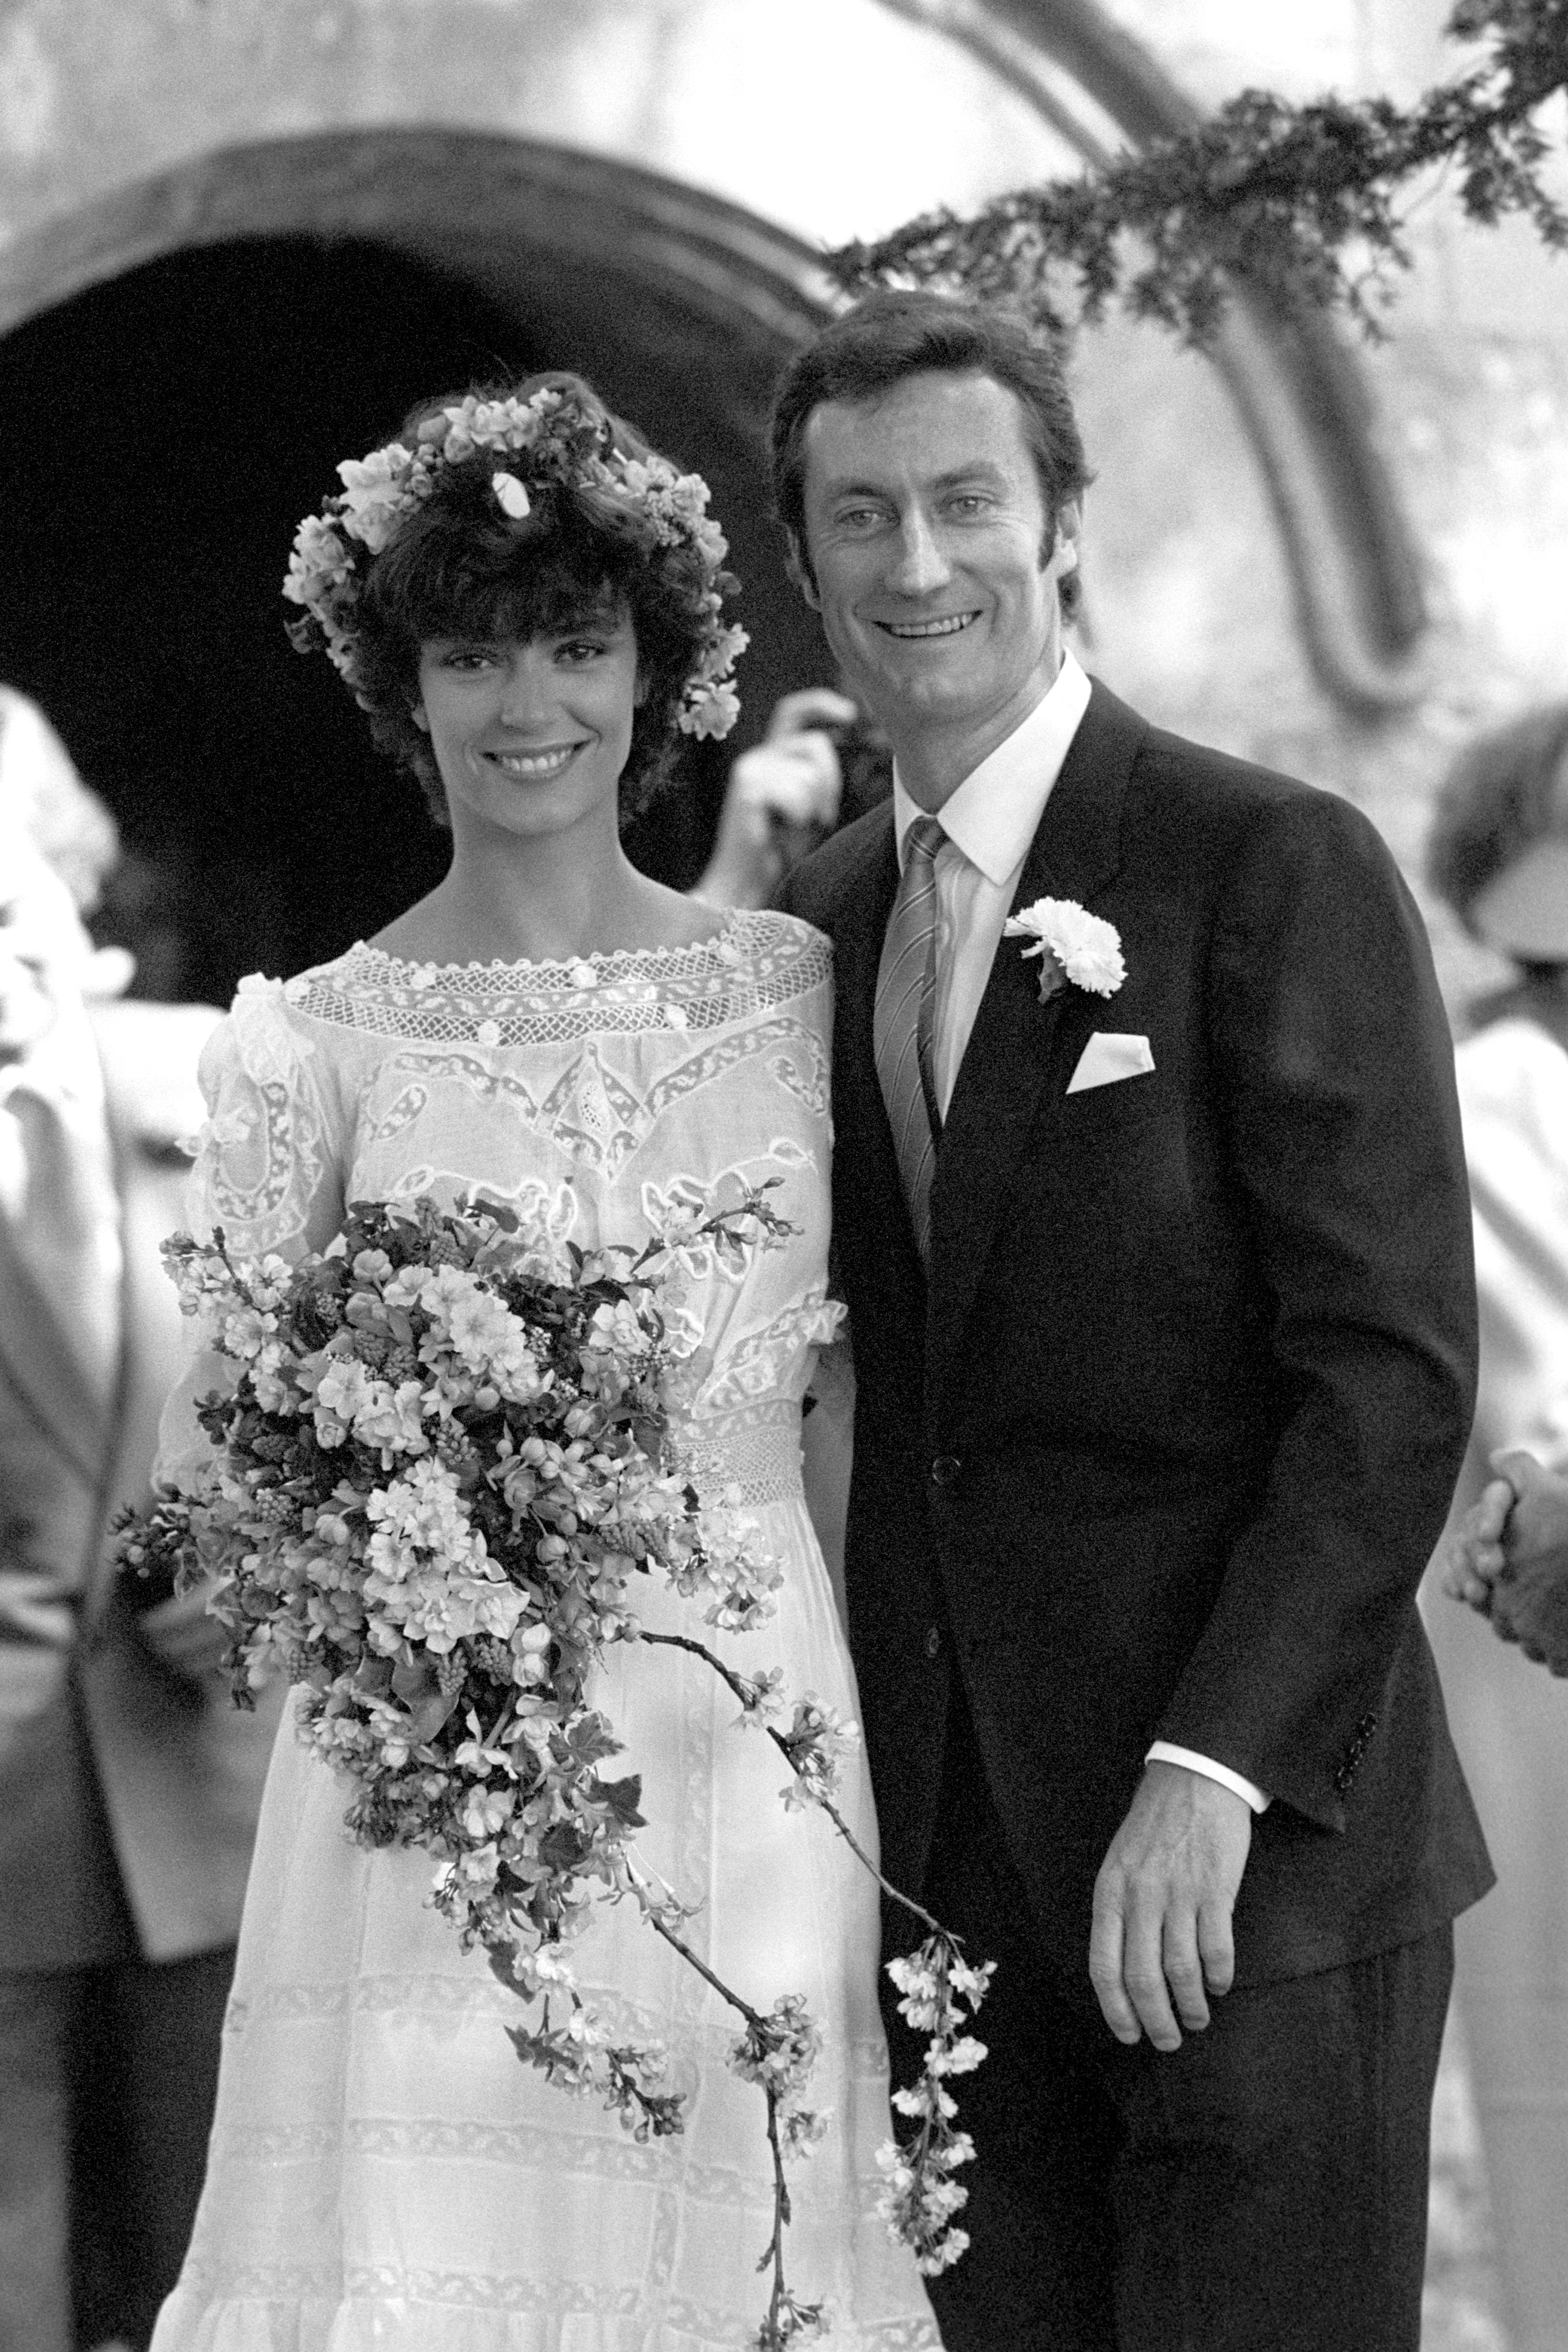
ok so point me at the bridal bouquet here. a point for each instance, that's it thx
(440, 1468)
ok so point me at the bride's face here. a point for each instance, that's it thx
(531, 734)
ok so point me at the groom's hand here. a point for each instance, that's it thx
(1163, 1902)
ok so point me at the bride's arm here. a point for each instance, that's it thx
(268, 1173)
(827, 1447)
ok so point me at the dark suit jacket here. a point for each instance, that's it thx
(1162, 1449)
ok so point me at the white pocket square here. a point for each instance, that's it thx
(1110, 1056)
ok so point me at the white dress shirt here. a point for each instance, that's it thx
(990, 822)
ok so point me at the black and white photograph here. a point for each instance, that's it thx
(784, 1176)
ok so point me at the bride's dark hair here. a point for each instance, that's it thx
(462, 568)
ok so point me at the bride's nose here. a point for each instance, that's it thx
(527, 686)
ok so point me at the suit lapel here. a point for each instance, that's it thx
(1019, 1047)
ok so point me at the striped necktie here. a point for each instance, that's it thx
(903, 1023)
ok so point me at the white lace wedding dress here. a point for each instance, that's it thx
(384, 2172)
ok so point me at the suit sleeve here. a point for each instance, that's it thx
(1332, 1063)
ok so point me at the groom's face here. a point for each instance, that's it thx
(932, 561)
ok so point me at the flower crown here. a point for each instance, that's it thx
(553, 440)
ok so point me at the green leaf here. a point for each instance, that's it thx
(621, 1798)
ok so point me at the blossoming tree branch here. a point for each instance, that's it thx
(442, 1461)
(1307, 205)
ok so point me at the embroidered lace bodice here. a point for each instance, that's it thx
(592, 1093)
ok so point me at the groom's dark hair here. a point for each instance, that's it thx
(894, 334)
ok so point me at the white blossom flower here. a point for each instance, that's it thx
(375, 493)
(510, 494)
(959, 2057)
(245, 1332)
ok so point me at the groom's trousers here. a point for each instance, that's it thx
(1263, 2188)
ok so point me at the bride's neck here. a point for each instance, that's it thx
(530, 903)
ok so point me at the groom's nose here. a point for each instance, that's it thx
(919, 562)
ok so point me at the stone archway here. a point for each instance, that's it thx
(250, 320)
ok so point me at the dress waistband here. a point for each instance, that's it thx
(751, 1457)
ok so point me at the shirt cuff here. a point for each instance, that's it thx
(1165, 1752)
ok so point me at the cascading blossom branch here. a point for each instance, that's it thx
(444, 1461)
(548, 441)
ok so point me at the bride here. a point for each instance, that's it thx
(529, 627)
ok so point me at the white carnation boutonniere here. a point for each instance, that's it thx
(1073, 946)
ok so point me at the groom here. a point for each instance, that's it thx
(1159, 1278)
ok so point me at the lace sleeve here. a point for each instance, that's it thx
(269, 1171)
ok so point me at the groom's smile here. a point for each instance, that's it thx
(943, 628)
(929, 555)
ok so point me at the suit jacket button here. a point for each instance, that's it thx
(943, 1470)
(933, 1640)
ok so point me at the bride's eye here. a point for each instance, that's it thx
(577, 651)
(465, 658)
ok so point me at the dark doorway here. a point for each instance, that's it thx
(169, 428)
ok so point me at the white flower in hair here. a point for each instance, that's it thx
(709, 710)
(374, 493)
(510, 496)
(1073, 946)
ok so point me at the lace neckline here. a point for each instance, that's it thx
(717, 944)
(757, 959)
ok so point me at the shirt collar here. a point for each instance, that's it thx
(995, 813)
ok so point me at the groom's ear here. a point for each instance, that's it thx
(797, 564)
(1061, 552)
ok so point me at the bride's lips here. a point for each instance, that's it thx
(537, 766)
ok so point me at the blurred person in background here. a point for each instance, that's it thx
(1498, 856)
(785, 795)
(1509, 1560)
(129, 1784)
